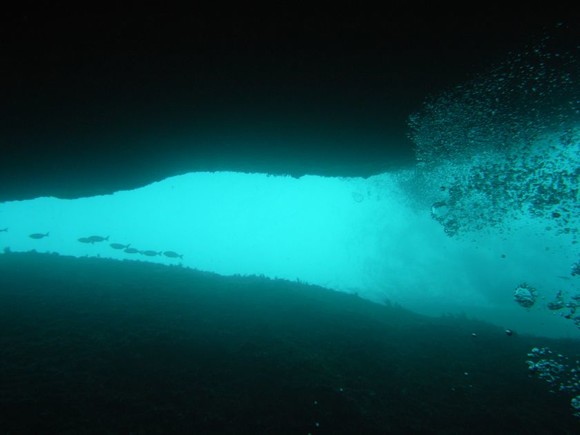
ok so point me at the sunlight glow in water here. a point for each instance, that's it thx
(363, 236)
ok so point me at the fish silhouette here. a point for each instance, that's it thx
(38, 236)
(119, 246)
(96, 239)
(151, 253)
(172, 254)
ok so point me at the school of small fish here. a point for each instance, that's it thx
(126, 248)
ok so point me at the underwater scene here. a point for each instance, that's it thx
(438, 297)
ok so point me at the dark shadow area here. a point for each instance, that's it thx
(96, 101)
(99, 346)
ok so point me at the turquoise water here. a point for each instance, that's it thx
(374, 237)
(432, 298)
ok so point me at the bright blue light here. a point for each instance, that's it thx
(367, 236)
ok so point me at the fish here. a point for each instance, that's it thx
(38, 236)
(172, 254)
(4, 230)
(150, 253)
(131, 251)
(119, 246)
(85, 240)
(96, 239)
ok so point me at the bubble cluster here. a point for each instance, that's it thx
(532, 92)
(556, 369)
(541, 183)
(567, 306)
(525, 295)
(502, 152)
(507, 144)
